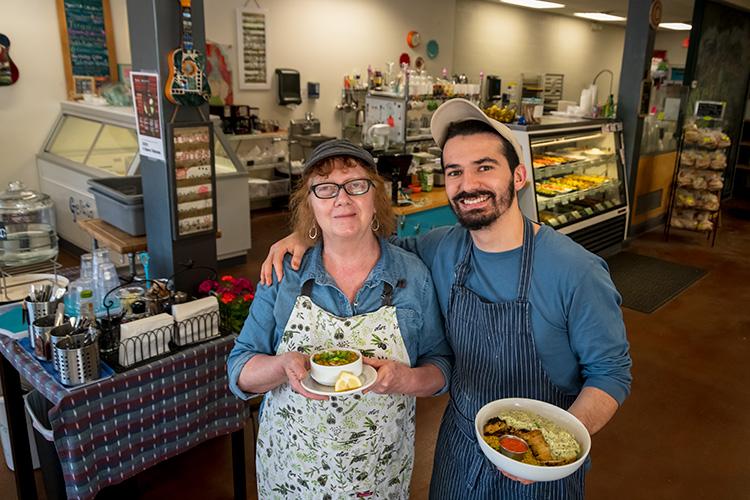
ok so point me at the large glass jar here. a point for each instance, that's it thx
(27, 226)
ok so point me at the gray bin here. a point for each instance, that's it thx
(119, 201)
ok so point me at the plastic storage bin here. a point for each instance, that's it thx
(38, 407)
(5, 438)
(119, 201)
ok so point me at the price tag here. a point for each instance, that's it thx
(553, 222)
(576, 214)
(589, 211)
(564, 201)
(3, 232)
(563, 219)
(599, 207)
(608, 204)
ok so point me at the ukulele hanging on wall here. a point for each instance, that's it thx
(8, 69)
(187, 84)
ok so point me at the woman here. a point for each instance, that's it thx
(353, 290)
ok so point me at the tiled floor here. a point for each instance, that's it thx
(682, 434)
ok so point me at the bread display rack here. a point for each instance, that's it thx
(698, 181)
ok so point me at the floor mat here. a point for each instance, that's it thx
(646, 283)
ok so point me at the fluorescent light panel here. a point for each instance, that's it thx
(598, 16)
(676, 26)
(534, 4)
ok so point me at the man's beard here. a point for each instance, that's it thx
(474, 220)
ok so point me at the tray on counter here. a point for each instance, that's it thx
(104, 373)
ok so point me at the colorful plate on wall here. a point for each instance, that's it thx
(432, 49)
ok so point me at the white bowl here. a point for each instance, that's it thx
(546, 410)
(327, 375)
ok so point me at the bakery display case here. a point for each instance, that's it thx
(94, 142)
(576, 180)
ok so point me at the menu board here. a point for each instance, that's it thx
(88, 45)
(193, 180)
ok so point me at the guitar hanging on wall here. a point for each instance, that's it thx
(187, 84)
(8, 69)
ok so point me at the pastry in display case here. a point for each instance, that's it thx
(576, 182)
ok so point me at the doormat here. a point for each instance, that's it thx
(646, 283)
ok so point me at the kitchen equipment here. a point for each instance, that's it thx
(40, 336)
(77, 359)
(119, 201)
(305, 134)
(35, 310)
(379, 135)
(27, 226)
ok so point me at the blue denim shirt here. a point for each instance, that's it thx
(417, 309)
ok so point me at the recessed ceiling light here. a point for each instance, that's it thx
(676, 26)
(598, 16)
(534, 4)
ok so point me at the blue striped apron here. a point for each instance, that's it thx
(495, 358)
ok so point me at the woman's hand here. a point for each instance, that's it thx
(294, 244)
(295, 366)
(392, 377)
(514, 478)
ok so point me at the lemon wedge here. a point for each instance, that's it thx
(346, 382)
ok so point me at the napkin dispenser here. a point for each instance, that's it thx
(145, 338)
(196, 321)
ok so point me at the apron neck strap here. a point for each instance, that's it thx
(387, 294)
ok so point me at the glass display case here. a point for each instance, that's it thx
(576, 182)
(92, 142)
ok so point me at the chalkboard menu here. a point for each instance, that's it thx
(88, 44)
(712, 110)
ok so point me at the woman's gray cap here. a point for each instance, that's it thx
(339, 147)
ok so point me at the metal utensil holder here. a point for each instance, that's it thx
(77, 361)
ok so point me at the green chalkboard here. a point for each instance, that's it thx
(88, 44)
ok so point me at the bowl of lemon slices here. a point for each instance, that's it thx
(337, 367)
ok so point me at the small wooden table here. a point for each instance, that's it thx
(114, 239)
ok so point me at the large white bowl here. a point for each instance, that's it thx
(546, 410)
(327, 375)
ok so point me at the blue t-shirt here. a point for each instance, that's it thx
(575, 314)
(417, 309)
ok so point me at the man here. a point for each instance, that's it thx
(528, 312)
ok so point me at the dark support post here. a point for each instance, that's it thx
(155, 31)
(636, 61)
(238, 464)
(17, 431)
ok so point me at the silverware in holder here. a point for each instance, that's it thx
(77, 358)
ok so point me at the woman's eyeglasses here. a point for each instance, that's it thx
(354, 187)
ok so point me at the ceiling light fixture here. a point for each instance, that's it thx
(676, 26)
(534, 4)
(599, 16)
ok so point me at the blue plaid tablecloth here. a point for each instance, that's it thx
(109, 431)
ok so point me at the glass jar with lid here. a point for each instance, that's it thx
(27, 226)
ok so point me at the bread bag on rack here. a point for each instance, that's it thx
(685, 198)
(685, 177)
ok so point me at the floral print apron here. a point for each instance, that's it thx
(353, 446)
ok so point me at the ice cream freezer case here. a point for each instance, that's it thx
(94, 142)
(576, 179)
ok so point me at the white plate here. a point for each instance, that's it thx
(18, 287)
(546, 410)
(368, 377)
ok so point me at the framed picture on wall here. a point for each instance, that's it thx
(190, 160)
(252, 49)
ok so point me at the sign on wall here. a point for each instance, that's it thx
(252, 48)
(88, 45)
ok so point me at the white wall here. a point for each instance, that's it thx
(671, 41)
(507, 41)
(28, 108)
